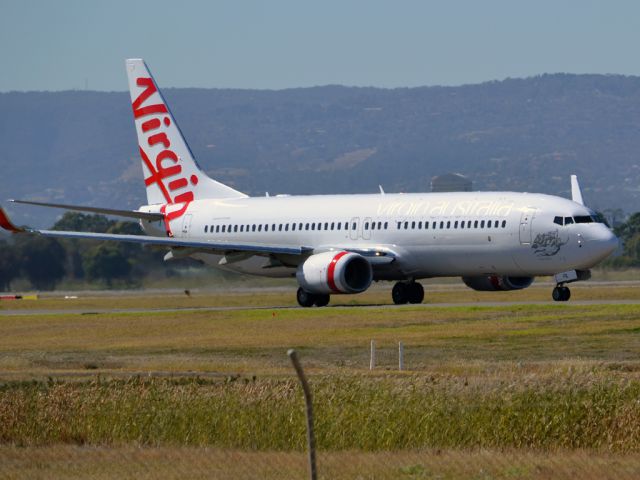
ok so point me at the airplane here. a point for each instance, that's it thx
(341, 244)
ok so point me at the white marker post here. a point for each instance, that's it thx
(400, 356)
(372, 361)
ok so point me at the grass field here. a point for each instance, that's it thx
(505, 391)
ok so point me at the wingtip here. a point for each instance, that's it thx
(8, 224)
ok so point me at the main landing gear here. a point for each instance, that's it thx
(561, 293)
(306, 299)
(407, 292)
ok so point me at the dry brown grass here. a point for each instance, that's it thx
(125, 462)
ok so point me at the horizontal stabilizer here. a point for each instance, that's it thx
(105, 211)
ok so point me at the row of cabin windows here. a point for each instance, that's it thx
(339, 226)
(290, 227)
(452, 224)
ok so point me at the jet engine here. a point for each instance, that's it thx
(491, 283)
(335, 272)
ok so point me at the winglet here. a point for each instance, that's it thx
(576, 194)
(8, 224)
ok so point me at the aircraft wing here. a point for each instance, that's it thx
(211, 247)
(106, 211)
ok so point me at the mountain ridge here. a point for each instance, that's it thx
(514, 134)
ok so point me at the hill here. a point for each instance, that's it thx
(517, 134)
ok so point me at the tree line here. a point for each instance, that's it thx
(45, 262)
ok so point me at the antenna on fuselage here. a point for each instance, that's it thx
(381, 189)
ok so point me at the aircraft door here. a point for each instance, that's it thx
(525, 226)
(186, 224)
(353, 228)
(366, 229)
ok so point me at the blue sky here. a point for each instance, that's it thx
(60, 45)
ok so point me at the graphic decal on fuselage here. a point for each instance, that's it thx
(548, 244)
(165, 171)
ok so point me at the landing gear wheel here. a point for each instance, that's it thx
(322, 300)
(400, 293)
(415, 292)
(561, 294)
(305, 299)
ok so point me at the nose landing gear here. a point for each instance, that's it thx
(411, 292)
(561, 293)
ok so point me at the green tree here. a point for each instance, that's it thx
(106, 262)
(9, 265)
(42, 260)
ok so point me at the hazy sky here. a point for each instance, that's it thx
(59, 45)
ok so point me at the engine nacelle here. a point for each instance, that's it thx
(492, 283)
(335, 272)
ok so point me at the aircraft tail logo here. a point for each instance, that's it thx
(171, 174)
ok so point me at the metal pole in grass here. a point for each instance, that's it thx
(311, 440)
(400, 356)
(372, 360)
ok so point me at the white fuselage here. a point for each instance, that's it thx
(429, 234)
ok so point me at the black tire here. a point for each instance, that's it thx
(566, 294)
(305, 299)
(322, 300)
(400, 294)
(415, 292)
(557, 294)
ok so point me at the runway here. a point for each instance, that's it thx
(425, 306)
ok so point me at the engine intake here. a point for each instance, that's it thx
(335, 272)
(492, 283)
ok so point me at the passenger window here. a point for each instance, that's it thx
(339, 226)
(482, 224)
(260, 227)
(568, 220)
(386, 225)
(355, 225)
(366, 225)
(206, 229)
(475, 224)
(426, 225)
(217, 228)
(557, 220)
(223, 228)
(326, 226)
(332, 225)
(462, 224)
(306, 227)
(241, 228)
(504, 223)
(448, 224)
(441, 225)
(413, 225)
(373, 225)
(293, 227)
(379, 225)
(455, 224)
(286, 227)
(406, 225)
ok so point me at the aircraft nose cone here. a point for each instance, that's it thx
(608, 242)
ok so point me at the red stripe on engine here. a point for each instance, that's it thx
(331, 271)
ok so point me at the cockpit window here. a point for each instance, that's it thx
(557, 220)
(583, 219)
(568, 220)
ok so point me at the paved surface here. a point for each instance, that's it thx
(426, 306)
